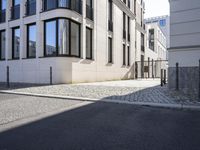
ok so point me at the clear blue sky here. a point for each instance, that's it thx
(156, 8)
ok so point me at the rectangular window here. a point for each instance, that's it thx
(88, 43)
(110, 13)
(30, 7)
(62, 37)
(124, 54)
(110, 52)
(151, 39)
(15, 43)
(3, 11)
(124, 25)
(50, 38)
(128, 53)
(129, 29)
(2, 45)
(89, 9)
(142, 42)
(75, 39)
(15, 10)
(31, 41)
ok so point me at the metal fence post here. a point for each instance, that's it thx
(8, 77)
(161, 77)
(199, 79)
(51, 76)
(177, 76)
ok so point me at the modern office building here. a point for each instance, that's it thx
(185, 45)
(164, 23)
(80, 40)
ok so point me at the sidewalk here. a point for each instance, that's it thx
(139, 92)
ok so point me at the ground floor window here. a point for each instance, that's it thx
(88, 43)
(2, 45)
(15, 43)
(110, 57)
(128, 53)
(62, 37)
(31, 41)
(124, 54)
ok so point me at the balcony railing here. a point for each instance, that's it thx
(89, 12)
(124, 34)
(2, 16)
(75, 5)
(30, 7)
(15, 12)
(110, 25)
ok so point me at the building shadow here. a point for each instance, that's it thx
(101, 125)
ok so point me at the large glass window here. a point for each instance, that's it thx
(75, 39)
(128, 53)
(88, 43)
(110, 57)
(50, 4)
(62, 37)
(64, 3)
(30, 7)
(15, 10)
(110, 19)
(3, 11)
(31, 39)
(50, 38)
(2, 44)
(16, 43)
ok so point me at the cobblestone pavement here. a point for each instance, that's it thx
(129, 90)
(13, 107)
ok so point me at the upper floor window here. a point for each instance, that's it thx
(128, 53)
(31, 41)
(142, 42)
(15, 9)
(129, 29)
(151, 39)
(124, 25)
(15, 43)
(3, 11)
(110, 13)
(2, 45)
(62, 37)
(89, 9)
(124, 54)
(75, 5)
(30, 7)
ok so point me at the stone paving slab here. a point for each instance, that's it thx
(144, 91)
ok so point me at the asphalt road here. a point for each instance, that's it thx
(108, 126)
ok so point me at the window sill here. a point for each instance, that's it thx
(29, 15)
(13, 59)
(65, 8)
(65, 56)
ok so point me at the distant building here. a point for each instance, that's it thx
(184, 44)
(164, 23)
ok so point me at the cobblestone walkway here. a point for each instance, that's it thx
(131, 90)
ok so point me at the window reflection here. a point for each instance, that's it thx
(16, 43)
(31, 41)
(3, 44)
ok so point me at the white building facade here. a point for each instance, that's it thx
(185, 46)
(82, 41)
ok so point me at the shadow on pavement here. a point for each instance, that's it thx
(108, 126)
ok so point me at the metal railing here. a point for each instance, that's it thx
(30, 7)
(15, 12)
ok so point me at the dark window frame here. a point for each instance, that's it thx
(91, 44)
(1, 44)
(13, 41)
(57, 49)
(27, 39)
